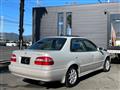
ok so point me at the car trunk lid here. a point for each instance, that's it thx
(27, 57)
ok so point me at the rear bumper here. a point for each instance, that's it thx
(37, 74)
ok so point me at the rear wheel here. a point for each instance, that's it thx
(107, 65)
(71, 77)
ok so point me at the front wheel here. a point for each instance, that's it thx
(107, 65)
(71, 77)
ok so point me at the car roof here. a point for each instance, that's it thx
(73, 36)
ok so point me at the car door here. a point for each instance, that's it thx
(83, 58)
(98, 56)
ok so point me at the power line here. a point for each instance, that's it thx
(15, 22)
(16, 18)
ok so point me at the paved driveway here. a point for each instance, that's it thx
(95, 81)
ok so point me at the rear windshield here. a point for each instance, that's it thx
(49, 44)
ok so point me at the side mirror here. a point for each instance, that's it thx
(100, 48)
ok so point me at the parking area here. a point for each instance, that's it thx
(94, 81)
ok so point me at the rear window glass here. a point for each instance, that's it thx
(49, 44)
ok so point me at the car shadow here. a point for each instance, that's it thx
(115, 61)
(50, 85)
(47, 85)
(4, 70)
(55, 85)
(87, 76)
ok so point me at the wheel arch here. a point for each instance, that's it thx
(74, 65)
(105, 69)
(71, 64)
(105, 58)
(108, 57)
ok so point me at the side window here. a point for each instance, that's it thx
(90, 46)
(77, 46)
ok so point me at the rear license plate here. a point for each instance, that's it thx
(25, 60)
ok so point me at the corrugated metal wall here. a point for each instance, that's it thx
(87, 21)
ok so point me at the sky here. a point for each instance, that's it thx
(9, 12)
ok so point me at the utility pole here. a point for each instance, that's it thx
(1, 27)
(21, 20)
(1, 21)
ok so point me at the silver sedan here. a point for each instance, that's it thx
(59, 58)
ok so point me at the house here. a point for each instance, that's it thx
(97, 22)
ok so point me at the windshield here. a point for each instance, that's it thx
(49, 44)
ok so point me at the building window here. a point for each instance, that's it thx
(115, 33)
(69, 23)
(60, 30)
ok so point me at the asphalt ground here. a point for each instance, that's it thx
(94, 81)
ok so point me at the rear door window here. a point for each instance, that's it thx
(77, 45)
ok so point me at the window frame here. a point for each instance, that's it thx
(60, 32)
(66, 31)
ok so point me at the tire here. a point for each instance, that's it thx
(118, 56)
(107, 65)
(71, 77)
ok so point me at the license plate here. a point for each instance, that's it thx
(25, 60)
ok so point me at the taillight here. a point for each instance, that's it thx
(44, 60)
(13, 58)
